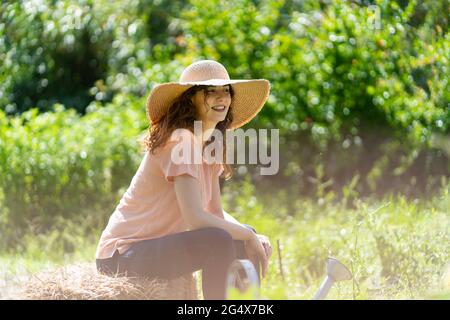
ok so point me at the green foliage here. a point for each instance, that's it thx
(359, 86)
(75, 52)
(395, 248)
(58, 164)
(335, 69)
(51, 53)
(332, 69)
(359, 89)
(360, 94)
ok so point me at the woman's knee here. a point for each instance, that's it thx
(221, 248)
(218, 234)
(218, 237)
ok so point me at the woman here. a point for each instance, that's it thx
(170, 221)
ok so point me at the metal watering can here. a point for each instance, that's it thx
(242, 275)
(336, 271)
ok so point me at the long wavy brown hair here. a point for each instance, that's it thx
(182, 114)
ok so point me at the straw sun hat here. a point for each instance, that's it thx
(249, 95)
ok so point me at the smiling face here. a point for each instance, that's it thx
(212, 104)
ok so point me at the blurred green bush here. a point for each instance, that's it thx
(60, 165)
(377, 239)
(75, 52)
(360, 93)
(359, 88)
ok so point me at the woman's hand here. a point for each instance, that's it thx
(256, 251)
(266, 244)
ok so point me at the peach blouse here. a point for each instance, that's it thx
(149, 208)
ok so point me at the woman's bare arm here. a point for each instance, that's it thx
(217, 204)
(230, 218)
(188, 191)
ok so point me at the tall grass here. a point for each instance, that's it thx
(395, 248)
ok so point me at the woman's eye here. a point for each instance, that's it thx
(214, 90)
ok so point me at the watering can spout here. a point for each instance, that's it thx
(336, 271)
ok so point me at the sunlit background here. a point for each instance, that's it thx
(359, 92)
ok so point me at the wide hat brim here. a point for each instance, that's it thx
(249, 97)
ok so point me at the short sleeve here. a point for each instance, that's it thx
(177, 158)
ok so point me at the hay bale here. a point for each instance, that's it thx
(83, 282)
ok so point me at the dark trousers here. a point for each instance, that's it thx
(211, 250)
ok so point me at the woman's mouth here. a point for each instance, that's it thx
(219, 108)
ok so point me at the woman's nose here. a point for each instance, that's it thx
(222, 96)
